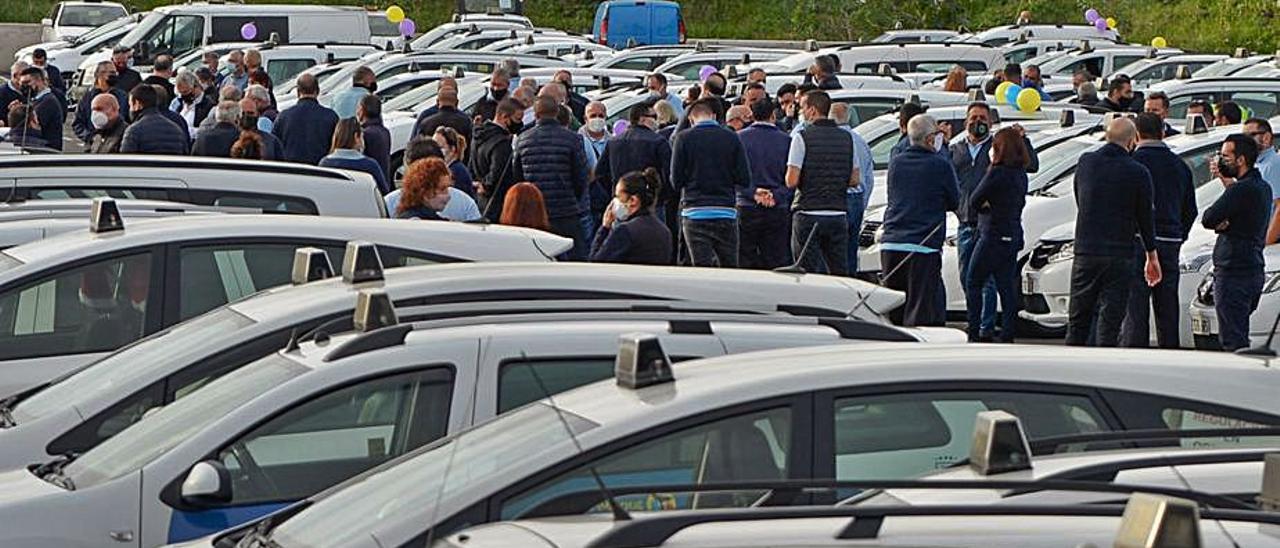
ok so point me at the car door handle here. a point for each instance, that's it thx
(122, 536)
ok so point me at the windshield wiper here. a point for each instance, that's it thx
(259, 537)
(52, 471)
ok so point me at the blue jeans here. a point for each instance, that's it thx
(855, 206)
(966, 240)
(995, 258)
(1235, 297)
(588, 222)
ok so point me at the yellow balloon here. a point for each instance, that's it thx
(1028, 100)
(1001, 91)
(1159, 42)
(1111, 23)
(395, 14)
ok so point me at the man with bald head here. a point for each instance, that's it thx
(108, 126)
(306, 128)
(447, 115)
(1113, 194)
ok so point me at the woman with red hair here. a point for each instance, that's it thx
(425, 190)
(523, 206)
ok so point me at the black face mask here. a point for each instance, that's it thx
(497, 94)
(1227, 169)
(26, 90)
(515, 127)
(113, 80)
(372, 86)
(979, 130)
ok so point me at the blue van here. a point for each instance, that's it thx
(643, 22)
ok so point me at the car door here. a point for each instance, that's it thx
(56, 320)
(318, 441)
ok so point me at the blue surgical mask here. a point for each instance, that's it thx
(620, 210)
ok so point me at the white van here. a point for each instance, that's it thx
(999, 36)
(902, 58)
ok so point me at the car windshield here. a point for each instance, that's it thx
(157, 434)
(507, 447)
(103, 30)
(89, 15)
(135, 366)
(1223, 68)
(320, 73)
(1066, 152)
(144, 27)
(410, 100)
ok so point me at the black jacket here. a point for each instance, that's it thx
(216, 141)
(444, 117)
(997, 203)
(709, 166)
(1246, 208)
(490, 164)
(28, 139)
(9, 95)
(377, 145)
(306, 131)
(82, 124)
(152, 133)
(971, 169)
(164, 83)
(52, 115)
(642, 239)
(551, 157)
(271, 147)
(1113, 201)
(108, 139)
(1173, 191)
(128, 79)
(204, 106)
(636, 149)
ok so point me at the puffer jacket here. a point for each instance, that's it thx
(152, 133)
(552, 158)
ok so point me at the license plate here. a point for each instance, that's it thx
(1030, 285)
(1201, 324)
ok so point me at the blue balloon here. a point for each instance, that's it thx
(1011, 95)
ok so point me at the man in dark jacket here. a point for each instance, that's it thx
(151, 132)
(377, 139)
(108, 124)
(552, 158)
(306, 128)
(127, 77)
(971, 160)
(162, 73)
(1239, 217)
(104, 78)
(1113, 201)
(820, 166)
(40, 60)
(1119, 95)
(48, 111)
(162, 102)
(823, 72)
(641, 147)
(271, 147)
(708, 168)
(24, 129)
(490, 157)
(1158, 103)
(499, 83)
(577, 103)
(447, 115)
(1174, 196)
(191, 103)
(217, 140)
(10, 92)
(922, 189)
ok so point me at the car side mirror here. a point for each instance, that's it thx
(207, 483)
(46, 22)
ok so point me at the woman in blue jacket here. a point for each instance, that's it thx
(997, 202)
(348, 153)
(629, 232)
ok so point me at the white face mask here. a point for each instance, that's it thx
(596, 125)
(99, 119)
(939, 141)
(620, 210)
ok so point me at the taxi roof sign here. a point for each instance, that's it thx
(1196, 125)
(999, 444)
(1154, 521)
(373, 311)
(1067, 118)
(310, 264)
(104, 216)
(361, 263)
(641, 361)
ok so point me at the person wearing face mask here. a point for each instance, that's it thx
(108, 125)
(996, 203)
(41, 101)
(104, 79)
(426, 190)
(127, 78)
(191, 103)
(250, 129)
(657, 85)
(1239, 216)
(363, 82)
(239, 77)
(1119, 95)
(499, 83)
(217, 140)
(151, 132)
(629, 232)
(575, 101)
(348, 153)
(40, 59)
(447, 115)
(1113, 194)
(821, 165)
(638, 148)
(490, 158)
(377, 138)
(452, 145)
(595, 136)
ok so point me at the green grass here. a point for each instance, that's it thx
(1199, 25)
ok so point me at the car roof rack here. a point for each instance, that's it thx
(1044, 446)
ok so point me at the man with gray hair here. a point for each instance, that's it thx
(10, 92)
(225, 93)
(262, 98)
(191, 102)
(217, 140)
(499, 84)
(922, 189)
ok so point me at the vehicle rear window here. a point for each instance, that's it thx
(380, 26)
(90, 16)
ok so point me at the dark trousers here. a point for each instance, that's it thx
(821, 242)
(994, 260)
(856, 206)
(1135, 332)
(570, 227)
(1099, 287)
(919, 275)
(1235, 297)
(712, 242)
(763, 237)
(966, 241)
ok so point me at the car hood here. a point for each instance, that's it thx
(20, 486)
(1064, 232)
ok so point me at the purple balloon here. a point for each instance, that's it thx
(249, 31)
(619, 127)
(1091, 15)
(407, 27)
(705, 72)
(1100, 24)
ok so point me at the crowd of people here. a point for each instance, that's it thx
(762, 182)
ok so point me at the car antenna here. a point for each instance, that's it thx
(444, 477)
(1265, 351)
(910, 254)
(795, 268)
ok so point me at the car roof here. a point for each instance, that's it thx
(218, 7)
(107, 161)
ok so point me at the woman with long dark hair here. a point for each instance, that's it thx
(997, 202)
(629, 232)
(348, 153)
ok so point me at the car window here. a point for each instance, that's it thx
(1261, 104)
(268, 203)
(864, 110)
(379, 25)
(212, 276)
(1020, 55)
(93, 308)
(119, 193)
(1121, 61)
(284, 69)
(904, 435)
(754, 446)
(1144, 411)
(89, 15)
(634, 63)
(523, 381)
(338, 435)
(175, 36)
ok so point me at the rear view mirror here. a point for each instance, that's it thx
(46, 22)
(207, 483)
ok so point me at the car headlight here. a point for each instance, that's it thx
(880, 234)
(1273, 282)
(1195, 263)
(1064, 253)
(1204, 293)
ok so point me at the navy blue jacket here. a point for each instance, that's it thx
(306, 131)
(1113, 201)
(767, 146)
(52, 115)
(922, 189)
(1246, 208)
(972, 169)
(997, 202)
(271, 147)
(443, 117)
(642, 239)
(552, 158)
(179, 121)
(216, 141)
(9, 95)
(363, 163)
(636, 149)
(377, 145)
(462, 178)
(82, 125)
(1173, 191)
(152, 133)
(709, 166)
